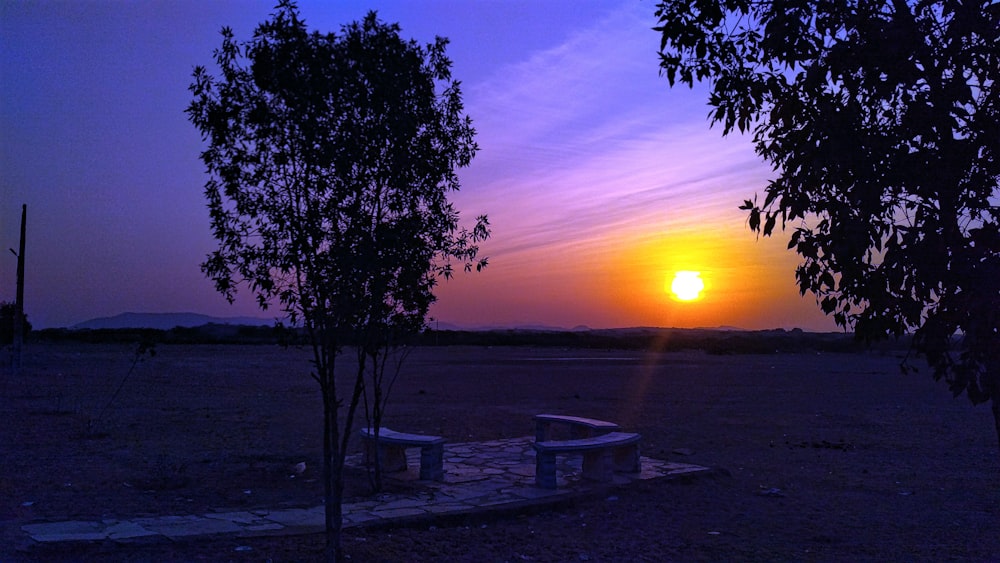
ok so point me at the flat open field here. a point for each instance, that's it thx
(820, 456)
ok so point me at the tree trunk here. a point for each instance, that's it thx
(333, 474)
(996, 417)
(992, 377)
(377, 417)
(18, 344)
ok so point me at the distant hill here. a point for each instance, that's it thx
(166, 321)
(442, 325)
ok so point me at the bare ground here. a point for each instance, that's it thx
(819, 457)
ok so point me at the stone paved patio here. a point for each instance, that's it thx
(479, 477)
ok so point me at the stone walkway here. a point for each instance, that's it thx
(479, 477)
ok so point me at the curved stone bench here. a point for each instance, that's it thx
(603, 455)
(392, 448)
(579, 427)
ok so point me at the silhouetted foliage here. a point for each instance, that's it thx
(330, 160)
(882, 122)
(7, 312)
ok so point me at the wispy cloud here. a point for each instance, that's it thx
(599, 178)
(584, 140)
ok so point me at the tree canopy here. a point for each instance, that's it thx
(881, 120)
(330, 159)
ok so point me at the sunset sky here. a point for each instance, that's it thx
(599, 180)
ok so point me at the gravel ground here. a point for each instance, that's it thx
(817, 457)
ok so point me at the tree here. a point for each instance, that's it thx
(8, 312)
(330, 158)
(882, 122)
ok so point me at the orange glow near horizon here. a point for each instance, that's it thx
(738, 273)
(623, 280)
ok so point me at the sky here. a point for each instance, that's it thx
(600, 181)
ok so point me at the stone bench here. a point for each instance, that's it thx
(579, 427)
(392, 448)
(603, 455)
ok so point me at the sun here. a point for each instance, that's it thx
(687, 285)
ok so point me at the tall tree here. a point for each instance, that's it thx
(881, 119)
(330, 159)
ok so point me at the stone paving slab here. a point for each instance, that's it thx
(72, 530)
(479, 477)
(174, 527)
(122, 531)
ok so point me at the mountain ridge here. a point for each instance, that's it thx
(165, 321)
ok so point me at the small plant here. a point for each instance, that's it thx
(146, 346)
(379, 387)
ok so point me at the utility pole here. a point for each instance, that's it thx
(15, 360)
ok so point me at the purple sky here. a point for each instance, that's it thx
(600, 181)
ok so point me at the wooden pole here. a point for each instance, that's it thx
(19, 302)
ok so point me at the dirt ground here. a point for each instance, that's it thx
(818, 457)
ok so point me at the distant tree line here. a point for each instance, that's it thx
(717, 342)
(7, 312)
(205, 334)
